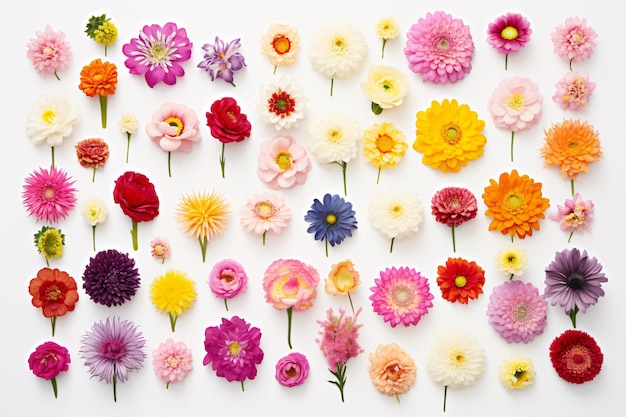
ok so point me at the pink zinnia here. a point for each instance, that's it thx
(575, 215)
(227, 279)
(172, 361)
(49, 195)
(440, 47)
(265, 212)
(573, 91)
(401, 295)
(49, 51)
(574, 41)
(509, 33)
(160, 248)
(517, 311)
(283, 163)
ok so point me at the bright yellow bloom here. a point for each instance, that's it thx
(516, 372)
(106, 34)
(174, 293)
(383, 145)
(50, 242)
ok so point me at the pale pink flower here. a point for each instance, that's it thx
(283, 163)
(573, 91)
(227, 279)
(160, 248)
(575, 215)
(49, 51)
(263, 212)
(574, 41)
(172, 361)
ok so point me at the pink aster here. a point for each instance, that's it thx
(517, 311)
(574, 41)
(263, 212)
(49, 51)
(283, 163)
(157, 53)
(509, 33)
(49, 194)
(401, 295)
(172, 361)
(575, 215)
(573, 91)
(440, 47)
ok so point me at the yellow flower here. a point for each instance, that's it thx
(387, 28)
(49, 242)
(106, 34)
(174, 293)
(342, 278)
(449, 135)
(385, 86)
(94, 211)
(383, 145)
(516, 372)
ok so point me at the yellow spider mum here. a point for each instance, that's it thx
(383, 145)
(174, 293)
(449, 135)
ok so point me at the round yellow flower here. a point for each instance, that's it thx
(449, 135)
(386, 86)
(174, 293)
(387, 28)
(516, 372)
(383, 145)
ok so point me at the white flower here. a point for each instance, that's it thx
(51, 119)
(387, 28)
(334, 137)
(512, 259)
(94, 211)
(386, 86)
(396, 213)
(281, 103)
(128, 123)
(280, 44)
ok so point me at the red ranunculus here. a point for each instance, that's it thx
(226, 121)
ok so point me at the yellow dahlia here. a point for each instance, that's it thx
(515, 203)
(383, 145)
(173, 293)
(449, 135)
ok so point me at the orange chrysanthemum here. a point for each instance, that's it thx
(98, 78)
(571, 146)
(460, 280)
(515, 203)
(92, 153)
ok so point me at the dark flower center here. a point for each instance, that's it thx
(227, 276)
(575, 281)
(112, 349)
(292, 372)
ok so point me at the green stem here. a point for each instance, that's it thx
(223, 159)
(203, 244)
(572, 186)
(344, 167)
(506, 62)
(54, 387)
(53, 321)
(242, 388)
(52, 151)
(105, 50)
(351, 305)
(511, 277)
(391, 246)
(453, 240)
(326, 244)
(127, 145)
(47, 262)
(134, 234)
(114, 383)
(512, 139)
(103, 110)
(173, 319)
(275, 67)
(169, 164)
(340, 375)
(57, 75)
(398, 397)
(93, 176)
(332, 82)
(264, 233)
(93, 237)
(289, 314)
(378, 176)
(233, 84)
(570, 237)
(167, 386)
(226, 303)
(445, 397)
(572, 315)
(383, 49)
(570, 63)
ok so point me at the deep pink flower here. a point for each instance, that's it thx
(227, 279)
(574, 41)
(49, 194)
(49, 51)
(440, 47)
(453, 206)
(292, 370)
(172, 361)
(283, 163)
(509, 33)
(48, 361)
(573, 91)
(575, 215)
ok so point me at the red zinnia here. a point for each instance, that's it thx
(576, 356)
(460, 280)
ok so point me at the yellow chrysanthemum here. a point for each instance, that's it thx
(174, 293)
(516, 372)
(106, 34)
(387, 28)
(449, 135)
(383, 145)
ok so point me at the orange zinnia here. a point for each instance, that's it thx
(55, 292)
(460, 280)
(515, 203)
(99, 78)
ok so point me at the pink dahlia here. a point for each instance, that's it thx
(157, 53)
(227, 278)
(440, 47)
(453, 206)
(574, 41)
(401, 295)
(517, 311)
(283, 163)
(573, 91)
(509, 33)
(49, 51)
(575, 215)
(263, 212)
(172, 361)
(49, 194)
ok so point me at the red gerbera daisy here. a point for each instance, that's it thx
(576, 357)
(460, 280)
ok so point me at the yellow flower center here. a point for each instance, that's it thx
(511, 259)
(389, 87)
(509, 33)
(334, 135)
(264, 209)
(234, 348)
(522, 312)
(158, 250)
(281, 44)
(98, 78)
(283, 160)
(331, 218)
(396, 211)
(177, 123)
(48, 193)
(460, 281)
(451, 134)
(344, 280)
(48, 116)
(443, 43)
(515, 102)
(384, 143)
(158, 52)
(52, 293)
(575, 218)
(457, 358)
(403, 295)
(339, 45)
(519, 376)
(576, 37)
(513, 202)
(173, 361)
(47, 51)
(573, 147)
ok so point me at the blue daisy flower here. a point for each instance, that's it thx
(332, 220)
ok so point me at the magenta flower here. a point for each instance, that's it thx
(48, 361)
(575, 215)
(292, 370)
(157, 53)
(509, 33)
(172, 361)
(49, 195)
(227, 279)
(221, 59)
(440, 47)
(453, 206)
(283, 163)
(49, 51)
(573, 91)
(233, 349)
(574, 41)
(517, 311)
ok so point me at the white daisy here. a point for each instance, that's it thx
(281, 103)
(396, 213)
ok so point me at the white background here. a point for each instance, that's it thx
(23, 327)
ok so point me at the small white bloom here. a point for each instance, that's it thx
(128, 123)
(334, 137)
(281, 103)
(51, 119)
(94, 211)
(396, 213)
(386, 86)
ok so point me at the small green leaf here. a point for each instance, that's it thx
(94, 23)
(376, 109)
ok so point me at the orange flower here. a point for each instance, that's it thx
(99, 78)
(392, 370)
(342, 279)
(571, 146)
(460, 280)
(92, 153)
(55, 292)
(515, 203)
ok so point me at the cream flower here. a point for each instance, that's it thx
(516, 372)
(387, 28)
(51, 119)
(94, 211)
(396, 213)
(334, 137)
(280, 44)
(512, 260)
(128, 123)
(385, 86)
(281, 103)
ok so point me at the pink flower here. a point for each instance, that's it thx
(440, 47)
(227, 279)
(282, 163)
(160, 248)
(453, 206)
(575, 215)
(48, 361)
(573, 91)
(172, 361)
(49, 51)
(574, 41)
(292, 370)
(49, 194)
(509, 33)
(263, 212)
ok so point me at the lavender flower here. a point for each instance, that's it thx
(111, 278)
(221, 59)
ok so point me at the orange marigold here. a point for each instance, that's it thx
(571, 146)
(460, 280)
(515, 203)
(98, 78)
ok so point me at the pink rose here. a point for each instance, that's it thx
(174, 127)
(283, 163)
(292, 370)
(289, 283)
(227, 279)
(49, 360)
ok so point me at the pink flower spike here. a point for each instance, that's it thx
(49, 51)
(172, 361)
(574, 41)
(575, 215)
(573, 91)
(227, 279)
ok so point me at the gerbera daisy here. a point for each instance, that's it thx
(401, 295)
(576, 356)
(516, 372)
(113, 349)
(157, 52)
(49, 195)
(512, 260)
(222, 59)
(331, 219)
(55, 292)
(460, 280)
(440, 47)
(383, 146)
(392, 370)
(509, 33)
(263, 212)
(49, 51)
(111, 278)
(453, 206)
(515, 203)
(92, 153)
(283, 163)
(517, 311)
(49, 241)
(172, 361)
(173, 292)
(282, 103)
(386, 29)
(574, 281)
(448, 134)
(280, 43)
(396, 213)
(456, 359)
(575, 215)
(573, 91)
(203, 216)
(337, 50)
(574, 41)
(160, 248)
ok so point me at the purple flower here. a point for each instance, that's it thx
(111, 278)
(509, 33)
(112, 349)
(157, 53)
(227, 279)
(221, 59)
(292, 370)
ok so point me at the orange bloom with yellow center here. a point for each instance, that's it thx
(515, 203)
(54, 291)
(460, 280)
(98, 78)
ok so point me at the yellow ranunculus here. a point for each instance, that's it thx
(386, 86)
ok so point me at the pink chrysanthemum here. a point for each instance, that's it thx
(517, 311)
(574, 41)
(573, 91)
(172, 361)
(49, 194)
(49, 51)
(263, 212)
(440, 47)
(401, 295)
(509, 33)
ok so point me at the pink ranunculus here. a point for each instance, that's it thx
(575, 215)
(283, 163)
(227, 279)
(290, 283)
(49, 360)
(174, 127)
(573, 91)
(515, 104)
(292, 370)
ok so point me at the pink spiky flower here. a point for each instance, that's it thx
(49, 194)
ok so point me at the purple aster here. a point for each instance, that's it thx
(574, 281)
(157, 53)
(111, 278)
(332, 220)
(113, 349)
(233, 349)
(509, 33)
(221, 59)
(517, 311)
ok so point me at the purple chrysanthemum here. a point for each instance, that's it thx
(112, 349)
(49, 195)
(574, 281)
(509, 33)
(331, 219)
(401, 295)
(111, 278)
(440, 47)
(221, 59)
(517, 311)
(157, 53)
(233, 349)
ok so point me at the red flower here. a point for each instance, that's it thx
(55, 292)
(576, 356)
(49, 360)
(226, 121)
(460, 280)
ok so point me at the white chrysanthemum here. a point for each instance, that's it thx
(396, 213)
(128, 123)
(94, 211)
(51, 119)
(334, 137)
(282, 103)
(512, 259)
